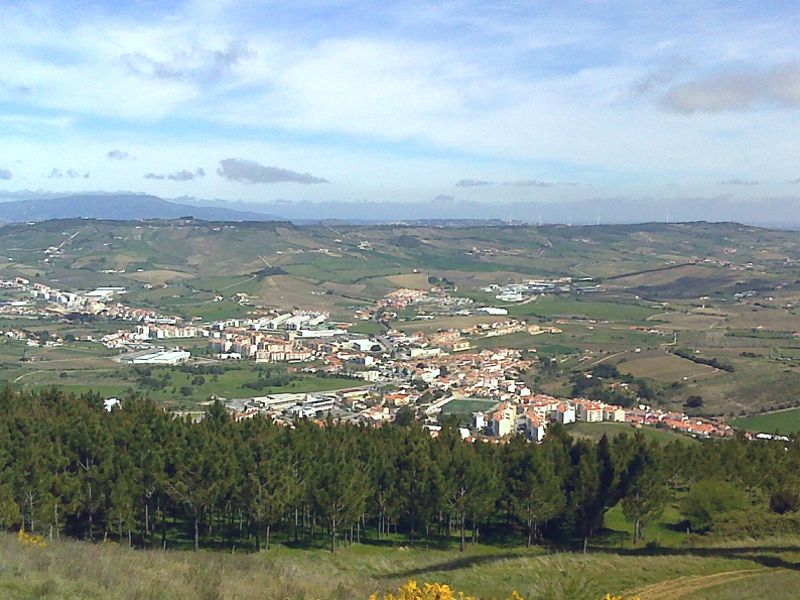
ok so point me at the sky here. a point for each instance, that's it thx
(402, 101)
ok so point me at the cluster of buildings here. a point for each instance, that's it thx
(532, 415)
(427, 370)
(436, 297)
(40, 299)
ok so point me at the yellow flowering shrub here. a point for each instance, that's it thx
(441, 591)
(430, 591)
(30, 539)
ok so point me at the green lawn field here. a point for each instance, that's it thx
(783, 422)
(466, 406)
(594, 431)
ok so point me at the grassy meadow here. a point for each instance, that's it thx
(594, 431)
(783, 422)
(82, 571)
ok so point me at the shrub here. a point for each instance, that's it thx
(708, 500)
(430, 591)
(784, 501)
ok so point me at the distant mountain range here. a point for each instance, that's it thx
(768, 212)
(118, 207)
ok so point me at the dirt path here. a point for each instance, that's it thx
(605, 358)
(684, 586)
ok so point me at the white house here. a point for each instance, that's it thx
(564, 413)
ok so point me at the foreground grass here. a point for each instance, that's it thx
(79, 571)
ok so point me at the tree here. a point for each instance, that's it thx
(468, 479)
(269, 480)
(586, 501)
(340, 487)
(693, 402)
(536, 490)
(641, 482)
(645, 501)
(9, 510)
(708, 500)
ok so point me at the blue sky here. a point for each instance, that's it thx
(404, 101)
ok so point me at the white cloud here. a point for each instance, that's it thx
(736, 181)
(182, 175)
(776, 87)
(528, 89)
(248, 171)
(118, 155)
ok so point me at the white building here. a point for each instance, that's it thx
(564, 414)
(163, 357)
(478, 421)
(590, 412)
(491, 310)
(501, 423)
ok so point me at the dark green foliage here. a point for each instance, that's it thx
(139, 474)
(693, 402)
(711, 362)
(709, 500)
(605, 370)
(784, 501)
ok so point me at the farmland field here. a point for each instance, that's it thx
(656, 281)
(666, 367)
(784, 422)
(589, 309)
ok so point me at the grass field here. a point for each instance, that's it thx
(665, 367)
(83, 571)
(594, 431)
(589, 309)
(466, 406)
(76, 370)
(784, 422)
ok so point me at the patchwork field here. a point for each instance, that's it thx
(564, 307)
(724, 289)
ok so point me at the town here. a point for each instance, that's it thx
(429, 376)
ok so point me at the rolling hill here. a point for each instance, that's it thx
(118, 207)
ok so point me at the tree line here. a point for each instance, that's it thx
(140, 475)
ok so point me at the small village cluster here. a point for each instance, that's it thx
(491, 379)
(42, 300)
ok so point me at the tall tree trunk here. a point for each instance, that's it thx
(196, 533)
(333, 535)
(266, 538)
(463, 527)
(163, 532)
